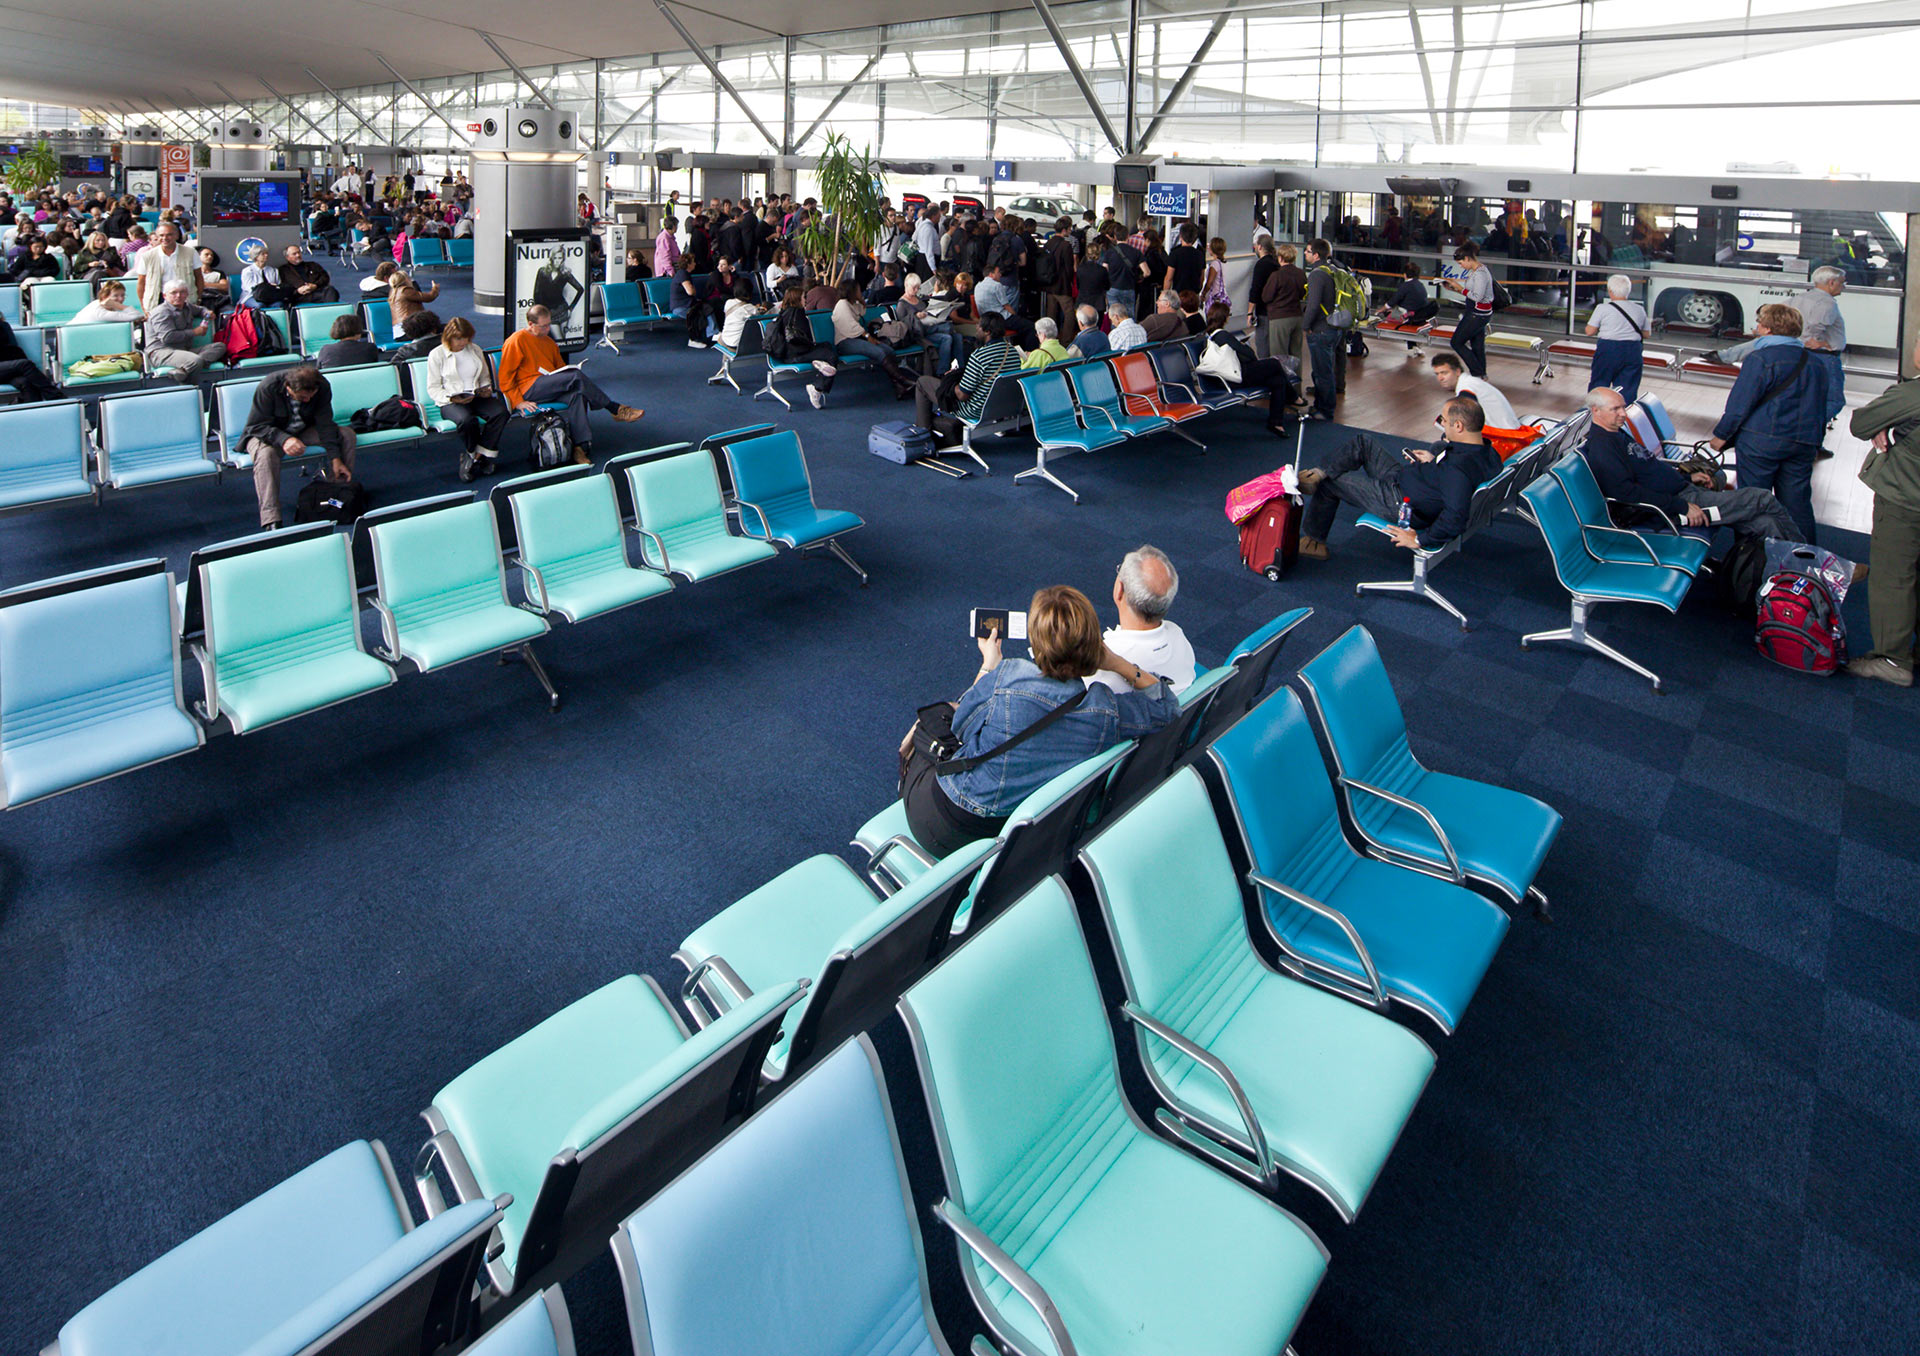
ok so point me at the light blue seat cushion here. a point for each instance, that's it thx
(793, 1236)
(154, 437)
(42, 454)
(702, 555)
(571, 533)
(903, 866)
(440, 575)
(527, 1331)
(234, 1282)
(87, 687)
(1499, 835)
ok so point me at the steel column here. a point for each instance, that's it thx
(1079, 76)
(713, 69)
(525, 79)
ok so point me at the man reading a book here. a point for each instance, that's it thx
(532, 373)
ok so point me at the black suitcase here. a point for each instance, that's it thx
(330, 501)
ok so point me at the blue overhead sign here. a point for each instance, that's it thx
(1003, 171)
(1166, 200)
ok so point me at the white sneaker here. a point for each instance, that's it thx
(953, 364)
(816, 397)
(695, 343)
(825, 369)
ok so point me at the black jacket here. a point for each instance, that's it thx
(1631, 479)
(413, 348)
(274, 415)
(1478, 462)
(348, 353)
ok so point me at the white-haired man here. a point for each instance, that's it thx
(1823, 332)
(1144, 588)
(1619, 327)
(172, 328)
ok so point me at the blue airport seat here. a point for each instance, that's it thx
(1487, 502)
(1096, 393)
(1369, 930)
(1606, 542)
(573, 552)
(1590, 582)
(1055, 1191)
(328, 1260)
(151, 437)
(773, 488)
(442, 590)
(796, 1234)
(682, 520)
(33, 342)
(539, 1327)
(427, 252)
(315, 323)
(460, 252)
(75, 343)
(52, 303)
(1175, 364)
(43, 454)
(362, 388)
(586, 1115)
(752, 344)
(282, 631)
(430, 412)
(816, 921)
(10, 303)
(622, 304)
(1157, 754)
(89, 680)
(1252, 661)
(1329, 1100)
(1496, 836)
(232, 406)
(1057, 427)
(378, 316)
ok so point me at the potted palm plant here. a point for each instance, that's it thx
(849, 218)
(34, 168)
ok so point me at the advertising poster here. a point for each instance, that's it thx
(144, 184)
(550, 268)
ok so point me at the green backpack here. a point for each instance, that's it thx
(1349, 298)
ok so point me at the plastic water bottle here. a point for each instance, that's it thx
(1406, 513)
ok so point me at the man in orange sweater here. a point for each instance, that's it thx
(530, 375)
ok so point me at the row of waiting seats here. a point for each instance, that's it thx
(91, 682)
(1676, 362)
(736, 1150)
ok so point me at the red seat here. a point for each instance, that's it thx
(1140, 389)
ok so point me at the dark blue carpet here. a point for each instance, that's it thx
(1683, 1120)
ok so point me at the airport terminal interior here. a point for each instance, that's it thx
(1135, 677)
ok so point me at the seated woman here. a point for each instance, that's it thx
(461, 384)
(739, 309)
(850, 338)
(215, 290)
(781, 270)
(1047, 709)
(260, 281)
(348, 346)
(1254, 370)
(108, 307)
(36, 264)
(98, 259)
(379, 282)
(795, 344)
(135, 242)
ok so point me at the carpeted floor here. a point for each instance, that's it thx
(1684, 1119)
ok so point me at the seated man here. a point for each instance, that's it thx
(1125, 332)
(1452, 374)
(19, 371)
(172, 326)
(1091, 340)
(530, 374)
(999, 294)
(1144, 590)
(995, 355)
(1694, 501)
(1436, 483)
(1049, 349)
(1167, 321)
(292, 411)
(1463, 442)
(305, 281)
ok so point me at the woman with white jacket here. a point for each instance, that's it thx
(460, 382)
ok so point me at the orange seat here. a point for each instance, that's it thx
(1140, 389)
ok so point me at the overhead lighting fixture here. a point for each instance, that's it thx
(531, 157)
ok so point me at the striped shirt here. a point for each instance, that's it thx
(982, 370)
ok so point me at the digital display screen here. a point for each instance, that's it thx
(76, 166)
(247, 202)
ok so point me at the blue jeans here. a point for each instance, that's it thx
(1618, 362)
(945, 345)
(1783, 466)
(1321, 353)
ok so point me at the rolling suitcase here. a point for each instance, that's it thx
(1267, 512)
(899, 441)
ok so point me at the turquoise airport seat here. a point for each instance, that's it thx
(460, 252)
(282, 629)
(43, 454)
(1057, 1195)
(1057, 427)
(430, 414)
(500, 495)
(777, 366)
(573, 551)
(716, 443)
(493, 368)
(89, 680)
(1371, 931)
(33, 342)
(1605, 542)
(54, 303)
(816, 921)
(539, 1327)
(1326, 1102)
(427, 252)
(327, 1261)
(622, 304)
(232, 406)
(1487, 502)
(772, 488)
(1591, 582)
(615, 470)
(441, 587)
(1095, 391)
(362, 388)
(10, 304)
(1496, 836)
(659, 295)
(682, 520)
(153, 437)
(796, 1234)
(378, 316)
(73, 343)
(1156, 755)
(315, 323)
(582, 1118)
(1252, 660)
(752, 344)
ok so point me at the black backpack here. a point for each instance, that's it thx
(548, 442)
(393, 412)
(1743, 572)
(1044, 271)
(330, 501)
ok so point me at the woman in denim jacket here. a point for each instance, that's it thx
(1009, 695)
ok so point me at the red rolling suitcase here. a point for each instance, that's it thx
(1269, 518)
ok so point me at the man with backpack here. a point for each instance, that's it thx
(532, 373)
(292, 414)
(1330, 311)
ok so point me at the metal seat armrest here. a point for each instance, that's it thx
(1339, 919)
(445, 1150)
(1446, 845)
(1665, 517)
(1254, 1146)
(539, 589)
(666, 566)
(1103, 413)
(1639, 540)
(766, 528)
(717, 967)
(1013, 1274)
(904, 844)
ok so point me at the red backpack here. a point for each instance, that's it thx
(240, 335)
(1799, 625)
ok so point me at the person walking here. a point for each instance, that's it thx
(1892, 471)
(1476, 293)
(1619, 327)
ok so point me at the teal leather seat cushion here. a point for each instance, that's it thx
(699, 554)
(891, 822)
(514, 1110)
(235, 1281)
(381, 437)
(677, 499)
(440, 576)
(157, 465)
(587, 586)
(1499, 835)
(571, 533)
(786, 928)
(42, 454)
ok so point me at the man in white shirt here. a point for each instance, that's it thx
(1126, 332)
(1144, 590)
(1451, 373)
(164, 261)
